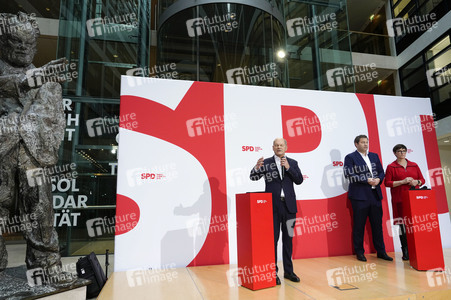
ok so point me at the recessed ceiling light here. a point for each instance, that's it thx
(281, 54)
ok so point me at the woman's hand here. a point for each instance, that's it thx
(415, 182)
(407, 180)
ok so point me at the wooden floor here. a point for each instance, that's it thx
(375, 279)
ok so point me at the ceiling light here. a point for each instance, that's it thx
(281, 54)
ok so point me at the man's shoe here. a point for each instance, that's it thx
(361, 257)
(277, 280)
(384, 256)
(293, 277)
(405, 254)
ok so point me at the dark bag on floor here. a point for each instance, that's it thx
(88, 267)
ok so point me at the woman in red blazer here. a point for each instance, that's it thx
(401, 175)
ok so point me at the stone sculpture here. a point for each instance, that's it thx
(32, 127)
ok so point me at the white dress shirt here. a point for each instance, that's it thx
(368, 163)
(279, 167)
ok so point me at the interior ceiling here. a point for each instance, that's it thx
(445, 140)
(359, 12)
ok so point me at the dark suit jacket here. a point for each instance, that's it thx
(275, 185)
(357, 172)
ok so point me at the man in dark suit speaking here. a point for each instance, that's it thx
(364, 171)
(280, 172)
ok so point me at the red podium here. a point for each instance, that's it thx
(423, 230)
(255, 240)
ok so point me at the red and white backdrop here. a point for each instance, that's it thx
(186, 148)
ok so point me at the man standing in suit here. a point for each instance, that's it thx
(280, 172)
(364, 171)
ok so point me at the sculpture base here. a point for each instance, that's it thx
(14, 285)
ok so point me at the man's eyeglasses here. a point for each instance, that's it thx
(401, 151)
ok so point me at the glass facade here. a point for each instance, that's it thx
(313, 49)
(214, 43)
(423, 10)
(428, 75)
(103, 40)
(314, 38)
